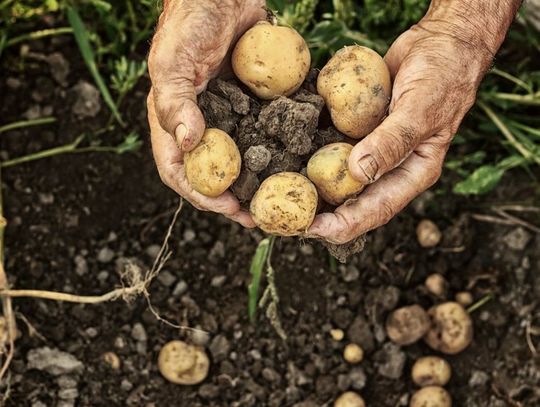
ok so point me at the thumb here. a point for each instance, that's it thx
(386, 147)
(178, 112)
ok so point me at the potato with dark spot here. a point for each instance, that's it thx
(431, 396)
(431, 371)
(329, 171)
(213, 166)
(271, 60)
(181, 363)
(356, 87)
(285, 204)
(451, 328)
(349, 399)
(407, 325)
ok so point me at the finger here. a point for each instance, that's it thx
(381, 201)
(398, 51)
(388, 145)
(244, 218)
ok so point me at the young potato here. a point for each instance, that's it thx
(437, 285)
(329, 171)
(452, 329)
(353, 354)
(431, 371)
(349, 399)
(428, 234)
(213, 166)
(285, 204)
(356, 87)
(431, 396)
(181, 363)
(407, 325)
(271, 60)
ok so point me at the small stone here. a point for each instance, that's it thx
(218, 281)
(209, 391)
(517, 239)
(478, 378)
(126, 385)
(105, 255)
(257, 158)
(102, 276)
(199, 337)
(59, 67)
(38, 404)
(392, 360)
(180, 288)
(119, 342)
(13, 83)
(46, 199)
(68, 394)
(349, 273)
(357, 378)
(66, 382)
(166, 278)
(343, 382)
(88, 102)
(81, 265)
(153, 250)
(270, 375)
(219, 348)
(111, 359)
(189, 235)
(53, 361)
(139, 333)
(91, 332)
(217, 251)
(307, 250)
(255, 354)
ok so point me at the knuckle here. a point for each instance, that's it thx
(386, 212)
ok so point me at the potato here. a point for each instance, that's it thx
(464, 298)
(213, 166)
(431, 396)
(181, 363)
(285, 204)
(112, 360)
(353, 354)
(328, 170)
(428, 234)
(452, 330)
(349, 399)
(407, 325)
(431, 371)
(437, 285)
(356, 87)
(271, 60)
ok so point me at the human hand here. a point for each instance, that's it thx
(192, 44)
(436, 70)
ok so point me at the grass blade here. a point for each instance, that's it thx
(81, 36)
(27, 123)
(256, 269)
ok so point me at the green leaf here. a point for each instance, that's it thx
(481, 181)
(256, 268)
(82, 38)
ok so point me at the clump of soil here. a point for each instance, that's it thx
(272, 136)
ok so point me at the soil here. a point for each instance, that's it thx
(74, 220)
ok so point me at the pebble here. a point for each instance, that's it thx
(13, 83)
(218, 281)
(478, 378)
(344, 382)
(166, 278)
(68, 394)
(103, 276)
(255, 354)
(105, 255)
(81, 265)
(66, 382)
(153, 250)
(46, 199)
(349, 273)
(180, 288)
(59, 67)
(270, 375)
(392, 361)
(189, 235)
(39, 404)
(91, 332)
(357, 378)
(517, 239)
(209, 391)
(219, 348)
(88, 102)
(307, 250)
(53, 361)
(199, 337)
(139, 333)
(217, 251)
(126, 385)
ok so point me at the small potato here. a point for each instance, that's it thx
(431, 396)
(407, 325)
(349, 399)
(271, 60)
(285, 204)
(353, 353)
(356, 87)
(328, 170)
(464, 298)
(213, 166)
(437, 285)
(431, 371)
(428, 234)
(451, 330)
(181, 363)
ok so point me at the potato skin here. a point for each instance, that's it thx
(349, 399)
(328, 170)
(181, 363)
(213, 166)
(431, 371)
(356, 87)
(407, 325)
(452, 329)
(271, 60)
(285, 204)
(431, 396)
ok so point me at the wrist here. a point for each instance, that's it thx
(482, 24)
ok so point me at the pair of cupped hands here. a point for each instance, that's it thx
(435, 79)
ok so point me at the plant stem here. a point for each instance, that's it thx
(68, 148)
(26, 123)
(49, 32)
(512, 78)
(532, 99)
(480, 303)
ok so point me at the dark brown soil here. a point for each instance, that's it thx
(74, 219)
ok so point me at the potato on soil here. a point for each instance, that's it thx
(431, 371)
(431, 396)
(451, 330)
(353, 353)
(428, 234)
(407, 325)
(182, 363)
(437, 285)
(285, 204)
(349, 399)
(271, 60)
(214, 164)
(328, 170)
(356, 87)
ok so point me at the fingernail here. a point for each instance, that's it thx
(368, 165)
(180, 134)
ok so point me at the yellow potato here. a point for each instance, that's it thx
(431, 396)
(329, 171)
(452, 329)
(285, 204)
(181, 363)
(431, 371)
(349, 399)
(213, 166)
(356, 87)
(271, 60)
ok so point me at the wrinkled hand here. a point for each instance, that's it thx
(191, 46)
(436, 76)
